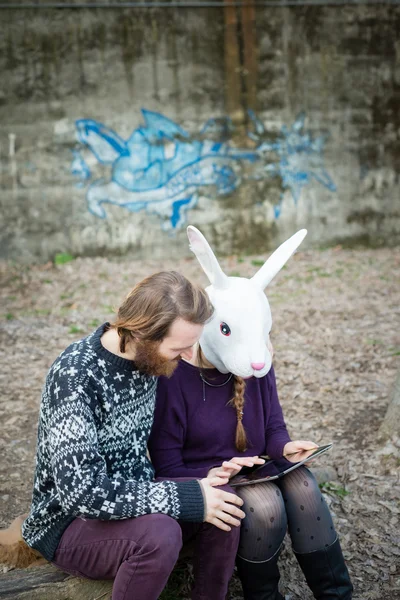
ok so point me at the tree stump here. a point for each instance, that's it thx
(323, 474)
(390, 426)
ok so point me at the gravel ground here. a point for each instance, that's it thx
(336, 337)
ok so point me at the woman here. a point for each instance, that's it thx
(222, 402)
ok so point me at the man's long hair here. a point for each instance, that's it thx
(152, 306)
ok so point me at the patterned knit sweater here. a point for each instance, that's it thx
(95, 418)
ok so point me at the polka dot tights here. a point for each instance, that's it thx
(294, 503)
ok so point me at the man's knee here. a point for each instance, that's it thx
(163, 538)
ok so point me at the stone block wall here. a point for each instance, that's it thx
(118, 126)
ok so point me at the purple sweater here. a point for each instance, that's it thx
(190, 435)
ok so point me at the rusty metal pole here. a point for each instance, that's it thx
(250, 53)
(233, 83)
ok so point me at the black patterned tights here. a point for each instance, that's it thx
(294, 503)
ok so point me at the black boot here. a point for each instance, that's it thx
(259, 580)
(326, 573)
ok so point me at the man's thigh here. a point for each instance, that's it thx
(96, 549)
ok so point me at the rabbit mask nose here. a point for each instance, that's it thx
(257, 366)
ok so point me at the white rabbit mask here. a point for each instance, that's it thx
(235, 339)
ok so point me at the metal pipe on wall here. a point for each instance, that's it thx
(198, 4)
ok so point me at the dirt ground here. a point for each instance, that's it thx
(336, 336)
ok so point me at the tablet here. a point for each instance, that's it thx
(275, 469)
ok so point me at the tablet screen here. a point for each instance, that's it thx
(273, 469)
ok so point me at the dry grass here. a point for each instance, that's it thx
(337, 345)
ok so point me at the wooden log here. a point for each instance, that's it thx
(48, 583)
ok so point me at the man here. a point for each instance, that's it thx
(96, 510)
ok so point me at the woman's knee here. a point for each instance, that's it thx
(264, 506)
(264, 527)
(301, 487)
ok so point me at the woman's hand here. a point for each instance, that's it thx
(298, 450)
(229, 468)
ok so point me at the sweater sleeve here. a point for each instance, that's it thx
(276, 432)
(167, 436)
(80, 472)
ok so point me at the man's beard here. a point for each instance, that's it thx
(149, 360)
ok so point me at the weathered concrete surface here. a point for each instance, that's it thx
(340, 67)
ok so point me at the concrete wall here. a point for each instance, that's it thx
(120, 126)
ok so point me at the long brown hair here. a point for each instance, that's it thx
(237, 402)
(149, 310)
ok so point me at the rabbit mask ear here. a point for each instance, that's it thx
(277, 259)
(206, 258)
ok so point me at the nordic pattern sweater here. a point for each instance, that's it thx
(95, 418)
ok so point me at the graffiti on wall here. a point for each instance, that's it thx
(300, 158)
(162, 169)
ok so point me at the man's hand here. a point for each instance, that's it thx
(229, 468)
(298, 450)
(221, 507)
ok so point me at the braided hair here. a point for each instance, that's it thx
(238, 403)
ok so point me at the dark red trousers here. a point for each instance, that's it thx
(139, 554)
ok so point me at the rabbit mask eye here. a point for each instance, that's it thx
(225, 329)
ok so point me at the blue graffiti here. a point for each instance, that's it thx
(79, 169)
(162, 169)
(300, 158)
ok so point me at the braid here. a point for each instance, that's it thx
(238, 403)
